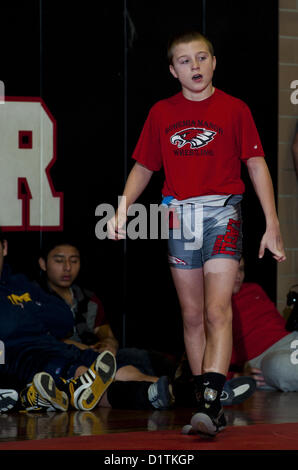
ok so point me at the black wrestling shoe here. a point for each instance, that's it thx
(237, 390)
(8, 399)
(206, 424)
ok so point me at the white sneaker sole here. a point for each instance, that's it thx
(202, 424)
(45, 386)
(95, 382)
(8, 399)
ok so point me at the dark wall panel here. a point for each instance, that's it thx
(99, 74)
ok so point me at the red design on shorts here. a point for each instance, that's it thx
(175, 260)
(227, 244)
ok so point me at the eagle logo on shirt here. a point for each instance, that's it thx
(194, 136)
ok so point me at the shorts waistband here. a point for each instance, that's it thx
(216, 200)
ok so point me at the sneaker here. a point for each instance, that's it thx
(46, 387)
(237, 390)
(31, 400)
(160, 394)
(8, 399)
(188, 429)
(85, 391)
(206, 424)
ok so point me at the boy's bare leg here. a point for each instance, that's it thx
(127, 373)
(219, 276)
(209, 291)
(205, 299)
(190, 290)
(80, 371)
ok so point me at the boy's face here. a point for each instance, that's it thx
(62, 266)
(193, 65)
(239, 277)
(3, 252)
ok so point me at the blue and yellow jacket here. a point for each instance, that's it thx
(26, 311)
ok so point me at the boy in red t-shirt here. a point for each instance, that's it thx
(260, 338)
(199, 137)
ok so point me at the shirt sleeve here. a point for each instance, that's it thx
(148, 149)
(101, 317)
(249, 139)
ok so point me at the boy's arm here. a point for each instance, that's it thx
(136, 182)
(107, 340)
(76, 343)
(261, 179)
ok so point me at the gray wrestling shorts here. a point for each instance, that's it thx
(204, 228)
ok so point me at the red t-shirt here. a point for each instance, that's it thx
(257, 324)
(200, 144)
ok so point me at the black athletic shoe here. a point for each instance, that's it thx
(237, 390)
(160, 394)
(207, 424)
(8, 399)
(188, 429)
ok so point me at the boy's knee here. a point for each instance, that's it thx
(80, 371)
(193, 319)
(218, 316)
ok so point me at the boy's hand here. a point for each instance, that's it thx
(115, 227)
(104, 346)
(272, 240)
(257, 375)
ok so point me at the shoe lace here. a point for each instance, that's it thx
(36, 400)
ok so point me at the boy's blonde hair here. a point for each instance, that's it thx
(184, 37)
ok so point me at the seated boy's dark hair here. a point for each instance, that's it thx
(51, 241)
(187, 35)
(2, 237)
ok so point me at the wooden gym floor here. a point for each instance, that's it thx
(263, 407)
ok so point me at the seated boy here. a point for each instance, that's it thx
(260, 339)
(58, 374)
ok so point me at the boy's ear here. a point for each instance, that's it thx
(214, 62)
(42, 264)
(5, 247)
(173, 72)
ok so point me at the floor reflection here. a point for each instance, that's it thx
(262, 407)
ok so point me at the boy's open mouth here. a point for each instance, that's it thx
(197, 77)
